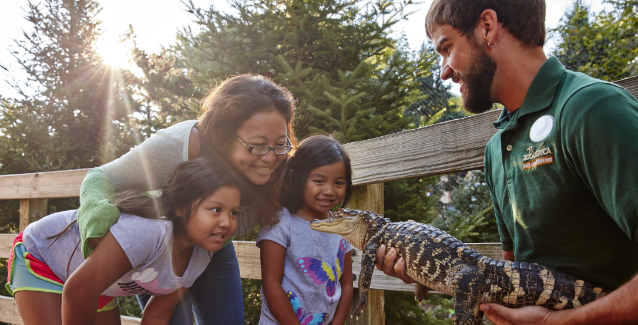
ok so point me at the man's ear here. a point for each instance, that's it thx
(487, 28)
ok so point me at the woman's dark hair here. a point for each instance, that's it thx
(225, 110)
(183, 191)
(312, 152)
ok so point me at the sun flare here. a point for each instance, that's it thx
(113, 52)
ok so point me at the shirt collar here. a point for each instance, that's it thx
(540, 95)
(503, 119)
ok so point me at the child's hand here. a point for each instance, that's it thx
(159, 309)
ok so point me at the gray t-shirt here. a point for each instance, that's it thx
(148, 244)
(312, 269)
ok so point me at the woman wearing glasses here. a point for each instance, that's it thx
(246, 124)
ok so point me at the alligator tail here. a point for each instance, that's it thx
(515, 284)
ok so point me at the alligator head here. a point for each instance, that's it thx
(354, 225)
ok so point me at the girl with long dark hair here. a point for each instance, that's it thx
(157, 247)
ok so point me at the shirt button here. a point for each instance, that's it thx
(509, 147)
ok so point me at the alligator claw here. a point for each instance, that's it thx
(359, 309)
(421, 292)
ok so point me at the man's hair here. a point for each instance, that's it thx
(525, 19)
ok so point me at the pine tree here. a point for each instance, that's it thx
(69, 95)
(351, 78)
(164, 95)
(470, 214)
(437, 104)
(603, 46)
(71, 110)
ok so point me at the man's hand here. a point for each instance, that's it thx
(386, 263)
(532, 315)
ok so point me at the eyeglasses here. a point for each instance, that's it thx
(262, 150)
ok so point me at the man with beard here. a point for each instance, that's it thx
(560, 169)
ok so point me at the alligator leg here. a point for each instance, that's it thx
(421, 292)
(469, 285)
(365, 277)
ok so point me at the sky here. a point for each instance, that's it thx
(156, 22)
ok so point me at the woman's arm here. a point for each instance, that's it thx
(106, 265)
(159, 309)
(272, 257)
(97, 213)
(142, 169)
(341, 314)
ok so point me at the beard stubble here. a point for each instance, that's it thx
(477, 81)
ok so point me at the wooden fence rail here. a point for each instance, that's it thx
(438, 149)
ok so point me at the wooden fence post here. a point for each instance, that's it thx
(369, 198)
(32, 210)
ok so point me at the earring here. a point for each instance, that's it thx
(264, 157)
(490, 45)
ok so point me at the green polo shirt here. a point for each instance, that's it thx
(563, 175)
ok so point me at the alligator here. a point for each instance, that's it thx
(438, 261)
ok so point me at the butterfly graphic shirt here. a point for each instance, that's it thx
(312, 268)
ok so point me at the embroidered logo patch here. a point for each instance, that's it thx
(541, 128)
(542, 156)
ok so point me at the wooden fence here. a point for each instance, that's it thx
(442, 148)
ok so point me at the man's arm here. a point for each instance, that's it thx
(619, 307)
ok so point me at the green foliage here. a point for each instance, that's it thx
(405, 310)
(410, 199)
(163, 94)
(351, 78)
(470, 215)
(252, 300)
(9, 216)
(439, 309)
(69, 94)
(129, 306)
(437, 104)
(3, 280)
(605, 45)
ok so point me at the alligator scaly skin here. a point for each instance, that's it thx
(438, 261)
